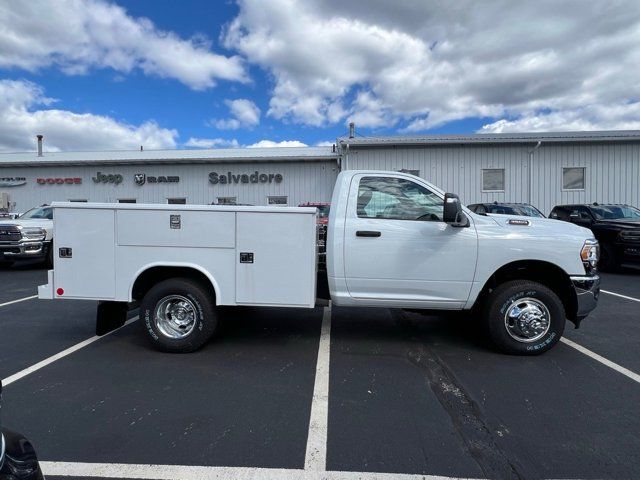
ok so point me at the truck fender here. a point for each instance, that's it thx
(192, 266)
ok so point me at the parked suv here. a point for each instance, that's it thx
(28, 237)
(522, 209)
(17, 457)
(616, 226)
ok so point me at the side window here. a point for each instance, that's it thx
(397, 199)
(561, 214)
(584, 213)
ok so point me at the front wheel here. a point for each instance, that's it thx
(178, 315)
(524, 317)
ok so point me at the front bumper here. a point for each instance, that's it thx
(23, 250)
(19, 461)
(587, 290)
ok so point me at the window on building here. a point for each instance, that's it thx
(177, 201)
(573, 178)
(277, 200)
(227, 200)
(127, 200)
(410, 172)
(78, 200)
(397, 199)
(493, 180)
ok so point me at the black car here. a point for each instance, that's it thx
(615, 226)
(18, 459)
(522, 209)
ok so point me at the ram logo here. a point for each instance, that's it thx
(140, 178)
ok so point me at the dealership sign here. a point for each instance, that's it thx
(256, 177)
(12, 181)
(141, 179)
(107, 178)
(59, 181)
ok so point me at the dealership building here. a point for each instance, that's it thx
(544, 169)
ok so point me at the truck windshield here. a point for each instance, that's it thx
(39, 212)
(530, 211)
(613, 212)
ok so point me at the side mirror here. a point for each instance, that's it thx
(453, 214)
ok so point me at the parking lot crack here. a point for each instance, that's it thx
(465, 414)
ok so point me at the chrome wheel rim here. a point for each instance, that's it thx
(527, 320)
(175, 316)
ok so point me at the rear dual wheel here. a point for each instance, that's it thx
(524, 317)
(178, 315)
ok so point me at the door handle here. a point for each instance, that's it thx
(367, 233)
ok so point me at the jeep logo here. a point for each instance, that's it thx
(107, 178)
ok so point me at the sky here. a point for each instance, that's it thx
(115, 75)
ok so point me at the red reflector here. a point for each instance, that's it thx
(60, 291)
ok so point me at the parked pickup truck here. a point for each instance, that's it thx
(394, 240)
(28, 237)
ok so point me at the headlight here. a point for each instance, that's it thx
(590, 252)
(33, 233)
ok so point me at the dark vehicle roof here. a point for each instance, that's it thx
(593, 205)
(315, 204)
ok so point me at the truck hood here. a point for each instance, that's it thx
(30, 222)
(542, 226)
(625, 223)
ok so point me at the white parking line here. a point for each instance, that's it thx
(18, 301)
(621, 296)
(618, 368)
(185, 472)
(48, 361)
(316, 453)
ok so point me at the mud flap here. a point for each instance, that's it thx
(110, 315)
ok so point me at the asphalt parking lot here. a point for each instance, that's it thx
(283, 393)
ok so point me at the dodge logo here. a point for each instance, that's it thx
(140, 178)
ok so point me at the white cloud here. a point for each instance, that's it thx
(78, 35)
(20, 121)
(244, 113)
(423, 64)
(271, 143)
(593, 117)
(194, 142)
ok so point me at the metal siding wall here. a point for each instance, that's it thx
(612, 170)
(303, 182)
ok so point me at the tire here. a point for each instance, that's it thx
(521, 337)
(179, 315)
(608, 261)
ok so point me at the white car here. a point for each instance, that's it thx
(28, 237)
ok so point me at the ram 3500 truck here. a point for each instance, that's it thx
(393, 240)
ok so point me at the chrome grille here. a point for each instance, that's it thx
(9, 233)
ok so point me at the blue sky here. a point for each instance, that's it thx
(299, 71)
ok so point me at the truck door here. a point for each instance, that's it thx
(399, 252)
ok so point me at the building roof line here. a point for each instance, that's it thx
(494, 138)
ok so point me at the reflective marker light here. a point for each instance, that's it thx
(60, 291)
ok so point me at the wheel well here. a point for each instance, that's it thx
(154, 275)
(539, 271)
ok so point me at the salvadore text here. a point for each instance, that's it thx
(255, 177)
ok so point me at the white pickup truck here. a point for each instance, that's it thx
(393, 240)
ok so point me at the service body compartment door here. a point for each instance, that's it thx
(276, 259)
(87, 269)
